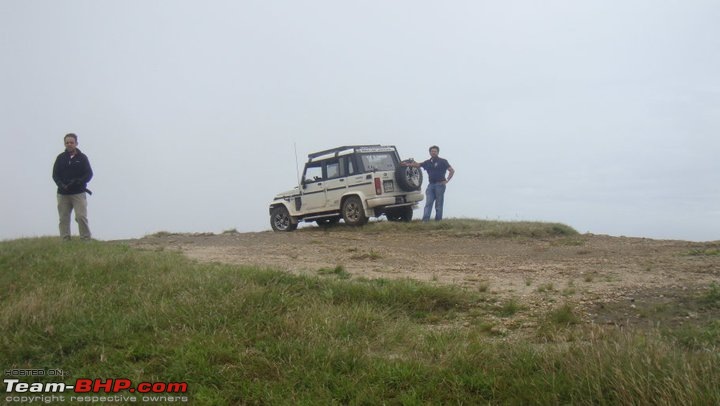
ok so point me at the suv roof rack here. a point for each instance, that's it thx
(340, 149)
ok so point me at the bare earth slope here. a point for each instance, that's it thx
(622, 276)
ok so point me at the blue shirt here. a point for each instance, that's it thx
(436, 169)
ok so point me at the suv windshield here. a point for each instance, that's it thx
(379, 161)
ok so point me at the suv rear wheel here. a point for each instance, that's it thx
(400, 214)
(353, 212)
(280, 219)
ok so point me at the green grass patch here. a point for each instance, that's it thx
(243, 335)
(338, 271)
(699, 337)
(564, 315)
(372, 256)
(703, 252)
(509, 308)
(546, 288)
(467, 228)
(712, 296)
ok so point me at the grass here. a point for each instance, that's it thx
(338, 271)
(241, 335)
(466, 228)
(712, 296)
(699, 338)
(703, 252)
(509, 308)
(570, 289)
(564, 315)
(569, 242)
(546, 288)
(372, 255)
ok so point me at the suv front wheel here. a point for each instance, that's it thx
(353, 212)
(280, 219)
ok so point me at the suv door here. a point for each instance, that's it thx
(313, 189)
(336, 171)
(356, 179)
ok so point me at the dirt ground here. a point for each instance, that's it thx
(613, 279)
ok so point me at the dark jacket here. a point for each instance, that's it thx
(71, 175)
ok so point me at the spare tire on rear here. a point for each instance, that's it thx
(409, 178)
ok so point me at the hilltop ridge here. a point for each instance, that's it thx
(536, 264)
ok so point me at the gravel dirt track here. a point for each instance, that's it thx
(617, 274)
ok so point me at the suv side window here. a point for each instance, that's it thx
(332, 169)
(313, 172)
(347, 167)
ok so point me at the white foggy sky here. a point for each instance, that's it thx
(603, 115)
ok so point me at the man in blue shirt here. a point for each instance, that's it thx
(436, 168)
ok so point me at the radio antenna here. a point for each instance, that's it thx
(297, 170)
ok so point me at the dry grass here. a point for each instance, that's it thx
(241, 335)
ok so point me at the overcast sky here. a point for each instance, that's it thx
(603, 115)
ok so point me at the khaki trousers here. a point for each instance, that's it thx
(68, 203)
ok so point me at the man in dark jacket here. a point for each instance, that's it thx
(71, 174)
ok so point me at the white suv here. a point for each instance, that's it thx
(353, 183)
